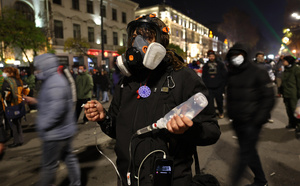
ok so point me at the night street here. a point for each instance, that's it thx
(278, 150)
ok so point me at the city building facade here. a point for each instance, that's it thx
(193, 38)
(81, 19)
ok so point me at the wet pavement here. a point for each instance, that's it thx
(278, 148)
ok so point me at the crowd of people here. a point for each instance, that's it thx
(155, 80)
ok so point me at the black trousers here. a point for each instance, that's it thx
(248, 135)
(218, 95)
(79, 108)
(16, 128)
(290, 106)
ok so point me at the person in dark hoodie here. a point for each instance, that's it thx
(290, 89)
(260, 60)
(56, 124)
(151, 87)
(214, 75)
(250, 99)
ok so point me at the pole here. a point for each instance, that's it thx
(102, 36)
(186, 40)
(2, 43)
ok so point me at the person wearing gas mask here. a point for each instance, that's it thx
(155, 81)
(250, 99)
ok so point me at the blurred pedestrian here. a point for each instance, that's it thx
(2, 135)
(290, 89)
(104, 86)
(2, 124)
(55, 121)
(279, 68)
(97, 83)
(250, 99)
(13, 90)
(214, 75)
(116, 76)
(84, 88)
(261, 62)
(30, 80)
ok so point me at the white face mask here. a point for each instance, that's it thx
(237, 60)
(80, 71)
(4, 75)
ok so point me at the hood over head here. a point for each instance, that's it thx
(210, 52)
(46, 63)
(236, 50)
(290, 59)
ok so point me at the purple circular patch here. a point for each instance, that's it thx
(144, 91)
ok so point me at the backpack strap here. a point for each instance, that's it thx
(14, 89)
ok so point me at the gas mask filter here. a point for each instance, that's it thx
(141, 55)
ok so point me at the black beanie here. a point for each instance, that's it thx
(259, 53)
(210, 52)
(290, 59)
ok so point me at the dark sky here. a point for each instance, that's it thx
(266, 14)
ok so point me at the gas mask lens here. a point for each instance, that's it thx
(141, 45)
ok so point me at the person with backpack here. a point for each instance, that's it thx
(155, 81)
(56, 122)
(13, 90)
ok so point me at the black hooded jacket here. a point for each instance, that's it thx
(250, 92)
(127, 114)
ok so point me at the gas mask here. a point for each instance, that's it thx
(141, 55)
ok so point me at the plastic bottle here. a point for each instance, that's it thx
(190, 108)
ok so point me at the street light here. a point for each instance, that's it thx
(285, 40)
(295, 15)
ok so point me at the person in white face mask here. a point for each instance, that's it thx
(250, 99)
(84, 87)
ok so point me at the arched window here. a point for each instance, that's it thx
(25, 9)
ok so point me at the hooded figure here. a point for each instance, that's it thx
(55, 120)
(54, 94)
(290, 89)
(250, 99)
